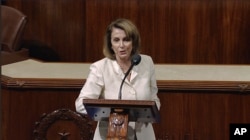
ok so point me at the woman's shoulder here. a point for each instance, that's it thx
(102, 62)
(146, 58)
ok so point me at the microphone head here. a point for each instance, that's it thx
(136, 59)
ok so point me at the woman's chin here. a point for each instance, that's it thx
(123, 56)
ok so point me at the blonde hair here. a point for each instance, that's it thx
(131, 32)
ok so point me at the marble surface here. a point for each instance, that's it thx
(35, 69)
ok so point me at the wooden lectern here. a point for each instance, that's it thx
(120, 112)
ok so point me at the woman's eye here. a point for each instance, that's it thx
(116, 39)
(126, 39)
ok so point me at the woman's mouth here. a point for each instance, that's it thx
(122, 52)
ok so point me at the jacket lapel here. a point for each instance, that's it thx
(134, 73)
(118, 71)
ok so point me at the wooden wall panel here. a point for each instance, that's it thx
(185, 115)
(58, 23)
(200, 115)
(22, 108)
(180, 31)
(204, 31)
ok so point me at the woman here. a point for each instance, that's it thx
(121, 42)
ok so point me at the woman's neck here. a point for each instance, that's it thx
(124, 65)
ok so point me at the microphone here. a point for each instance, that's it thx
(136, 59)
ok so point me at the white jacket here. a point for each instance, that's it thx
(104, 81)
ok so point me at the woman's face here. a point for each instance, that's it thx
(121, 44)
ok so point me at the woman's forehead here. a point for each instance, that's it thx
(118, 32)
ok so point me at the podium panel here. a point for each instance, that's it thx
(137, 110)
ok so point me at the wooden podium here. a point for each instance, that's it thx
(120, 112)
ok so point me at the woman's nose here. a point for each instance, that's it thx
(121, 44)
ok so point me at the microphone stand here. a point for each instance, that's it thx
(136, 59)
(126, 74)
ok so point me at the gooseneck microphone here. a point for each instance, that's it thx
(136, 59)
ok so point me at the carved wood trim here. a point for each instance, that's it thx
(239, 86)
(82, 122)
